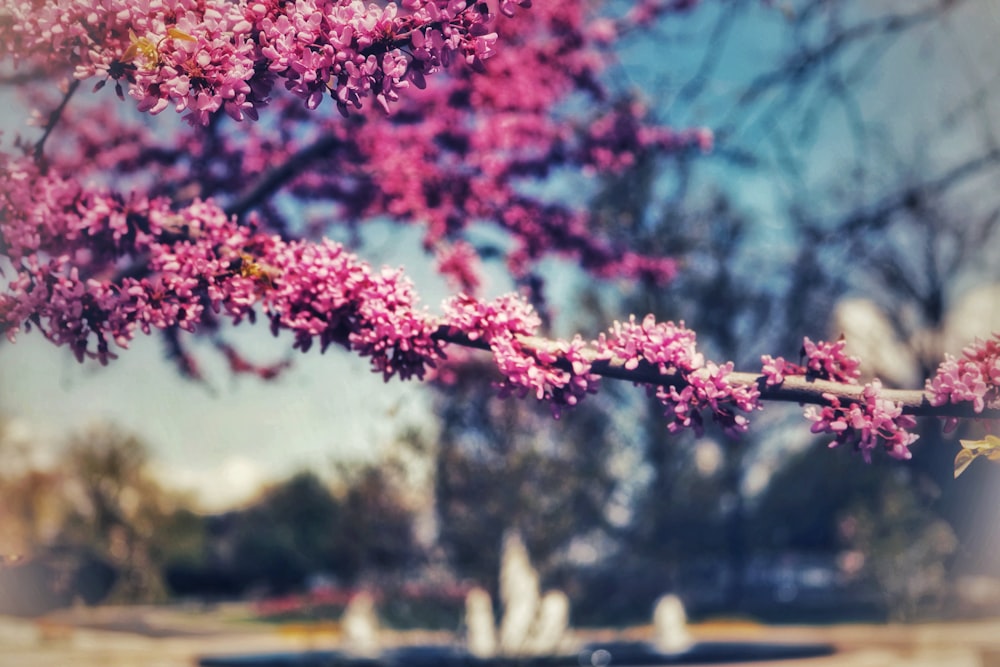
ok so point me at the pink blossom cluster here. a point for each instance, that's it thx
(775, 370)
(830, 361)
(634, 266)
(202, 57)
(459, 263)
(557, 372)
(481, 137)
(644, 12)
(974, 377)
(671, 350)
(239, 364)
(823, 361)
(478, 139)
(324, 293)
(867, 424)
(65, 244)
(540, 230)
(506, 316)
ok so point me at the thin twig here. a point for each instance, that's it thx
(54, 118)
(22, 77)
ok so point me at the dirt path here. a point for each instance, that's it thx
(153, 637)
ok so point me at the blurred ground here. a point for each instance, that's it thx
(176, 637)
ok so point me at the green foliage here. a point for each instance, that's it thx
(875, 514)
(101, 504)
(288, 534)
(304, 527)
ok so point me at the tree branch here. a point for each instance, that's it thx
(54, 118)
(20, 78)
(898, 200)
(274, 179)
(794, 389)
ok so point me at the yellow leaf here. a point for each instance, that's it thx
(130, 52)
(177, 34)
(142, 46)
(962, 460)
(973, 449)
(133, 47)
(990, 442)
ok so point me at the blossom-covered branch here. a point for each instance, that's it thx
(202, 57)
(202, 262)
(793, 388)
(662, 357)
(480, 135)
(191, 233)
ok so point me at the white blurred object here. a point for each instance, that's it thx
(360, 625)
(519, 594)
(976, 315)
(670, 631)
(551, 625)
(481, 636)
(871, 336)
(531, 624)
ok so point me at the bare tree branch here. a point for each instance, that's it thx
(880, 211)
(54, 119)
(274, 179)
(22, 77)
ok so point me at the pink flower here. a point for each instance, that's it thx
(459, 263)
(559, 373)
(867, 424)
(829, 361)
(775, 370)
(972, 378)
(202, 57)
(697, 385)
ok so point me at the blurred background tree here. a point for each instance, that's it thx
(351, 533)
(116, 508)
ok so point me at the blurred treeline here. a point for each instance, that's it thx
(829, 538)
(97, 526)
